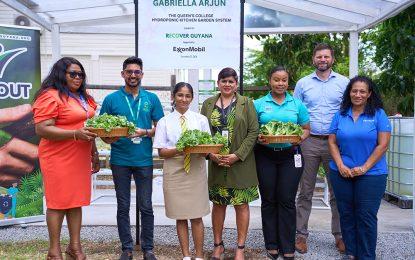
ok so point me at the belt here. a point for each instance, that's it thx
(279, 149)
(322, 137)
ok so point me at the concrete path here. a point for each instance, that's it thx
(391, 218)
(396, 238)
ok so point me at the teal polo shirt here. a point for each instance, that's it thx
(291, 110)
(124, 152)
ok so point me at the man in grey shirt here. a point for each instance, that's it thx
(322, 93)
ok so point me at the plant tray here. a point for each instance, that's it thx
(272, 139)
(115, 132)
(203, 148)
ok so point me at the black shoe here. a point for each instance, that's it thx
(126, 255)
(149, 255)
(272, 256)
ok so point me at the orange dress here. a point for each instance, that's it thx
(65, 164)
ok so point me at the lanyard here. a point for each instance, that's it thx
(229, 108)
(131, 109)
(81, 101)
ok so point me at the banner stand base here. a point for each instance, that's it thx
(25, 220)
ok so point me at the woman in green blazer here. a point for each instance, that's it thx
(232, 173)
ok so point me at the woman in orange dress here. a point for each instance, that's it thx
(66, 151)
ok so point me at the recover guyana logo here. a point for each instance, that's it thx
(14, 90)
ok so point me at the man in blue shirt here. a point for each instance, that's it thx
(133, 156)
(322, 93)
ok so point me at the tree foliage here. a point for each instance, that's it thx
(392, 45)
(386, 54)
(295, 53)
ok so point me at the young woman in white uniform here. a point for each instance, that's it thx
(185, 193)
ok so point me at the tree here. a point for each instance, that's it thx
(392, 46)
(386, 54)
(295, 53)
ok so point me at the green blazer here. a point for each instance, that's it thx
(242, 174)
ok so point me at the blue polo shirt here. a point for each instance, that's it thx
(124, 152)
(357, 140)
(291, 110)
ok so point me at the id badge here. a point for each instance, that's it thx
(297, 161)
(136, 140)
(225, 133)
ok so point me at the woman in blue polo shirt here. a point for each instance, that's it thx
(359, 138)
(278, 175)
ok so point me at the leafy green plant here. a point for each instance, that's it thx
(280, 128)
(30, 196)
(109, 122)
(197, 137)
(321, 172)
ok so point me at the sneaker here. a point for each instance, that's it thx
(149, 255)
(126, 255)
(301, 245)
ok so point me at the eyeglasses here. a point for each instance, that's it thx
(74, 74)
(131, 72)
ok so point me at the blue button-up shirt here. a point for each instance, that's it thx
(357, 140)
(322, 99)
(124, 152)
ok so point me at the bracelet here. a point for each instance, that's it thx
(147, 133)
(74, 135)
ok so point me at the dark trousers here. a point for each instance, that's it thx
(278, 183)
(358, 201)
(143, 177)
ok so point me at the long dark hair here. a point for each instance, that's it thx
(57, 78)
(374, 102)
(178, 87)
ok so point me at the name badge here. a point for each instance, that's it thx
(297, 161)
(225, 133)
(136, 140)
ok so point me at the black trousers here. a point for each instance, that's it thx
(278, 183)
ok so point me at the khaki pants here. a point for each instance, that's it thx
(315, 151)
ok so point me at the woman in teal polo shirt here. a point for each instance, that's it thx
(278, 176)
(359, 138)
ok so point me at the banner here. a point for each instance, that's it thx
(21, 193)
(189, 34)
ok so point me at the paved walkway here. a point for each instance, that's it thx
(391, 218)
(396, 236)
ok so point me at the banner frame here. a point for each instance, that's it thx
(40, 217)
(20, 27)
